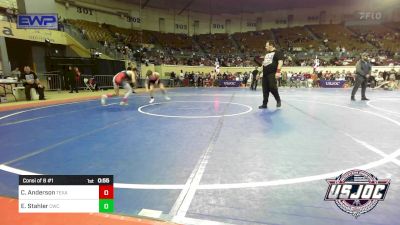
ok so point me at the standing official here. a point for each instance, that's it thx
(363, 70)
(272, 65)
(254, 79)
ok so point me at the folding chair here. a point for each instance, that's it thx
(87, 84)
(92, 84)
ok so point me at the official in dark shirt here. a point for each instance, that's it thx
(272, 65)
(254, 80)
(30, 80)
(363, 69)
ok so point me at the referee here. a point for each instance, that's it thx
(363, 69)
(272, 65)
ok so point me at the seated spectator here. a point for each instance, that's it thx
(379, 78)
(93, 83)
(390, 85)
(30, 80)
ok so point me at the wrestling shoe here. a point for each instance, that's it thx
(262, 107)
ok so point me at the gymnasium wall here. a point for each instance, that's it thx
(167, 20)
(110, 11)
(36, 6)
(165, 70)
(8, 3)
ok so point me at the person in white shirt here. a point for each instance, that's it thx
(272, 65)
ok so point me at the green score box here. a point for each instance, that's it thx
(106, 205)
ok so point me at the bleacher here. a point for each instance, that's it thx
(340, 36)
(176, 42)
(253, 43)
(295, 37)
(248, 46)
(92, 30)
(217, 44)
(382, 37)
(134, 37)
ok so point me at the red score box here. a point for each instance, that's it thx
(106, 192)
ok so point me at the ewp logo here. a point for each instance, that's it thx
(37, 21)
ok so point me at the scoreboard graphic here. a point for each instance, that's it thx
(66, 194)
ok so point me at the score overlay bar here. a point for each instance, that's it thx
(66, 193)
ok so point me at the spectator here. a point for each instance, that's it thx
(172, 79)
(69, 76)
(254, 79)
(390, 85)
(180, 78)
(60, 24)
(75, 79)
(245, 79)
(200, 80)
(93, 83)
(30, 80)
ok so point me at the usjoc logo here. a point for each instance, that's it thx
(229, 83)
(356, 192)
(37, 21)
(333, 83)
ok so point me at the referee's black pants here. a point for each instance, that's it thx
(269, 85)
(28, 87)
(360, 81)
(254, 82)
